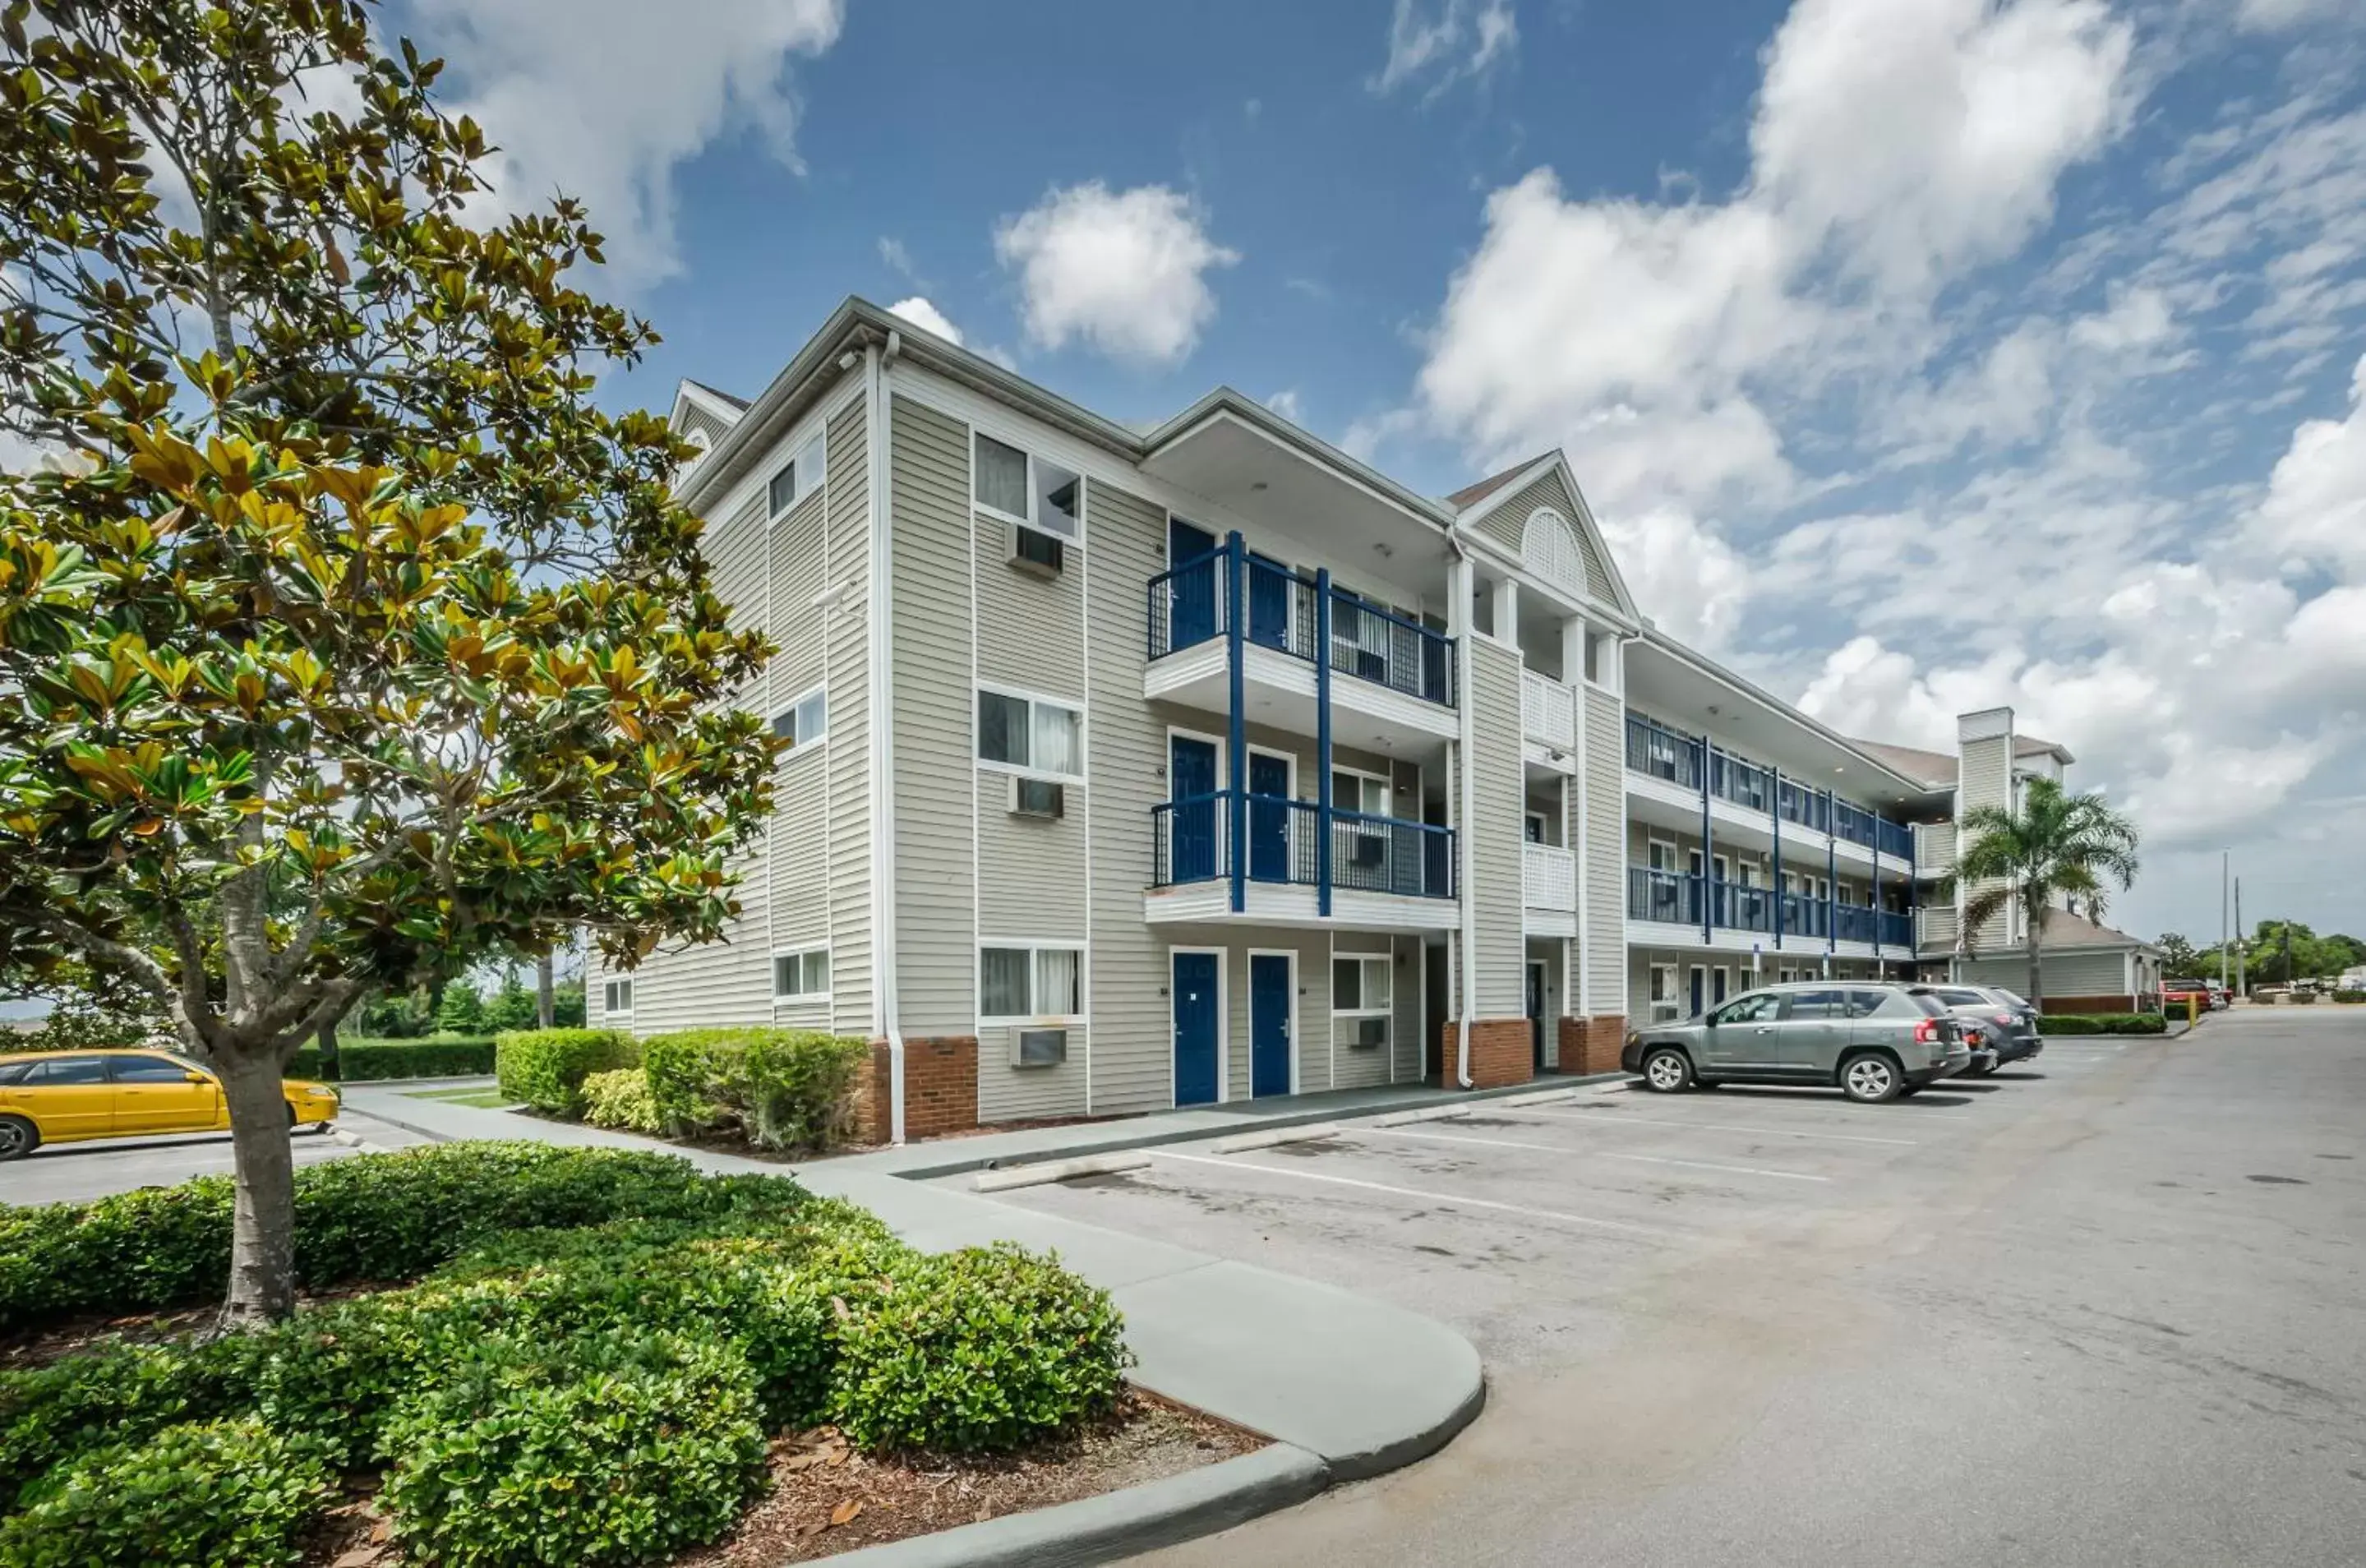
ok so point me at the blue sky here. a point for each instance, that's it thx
(1916, 355)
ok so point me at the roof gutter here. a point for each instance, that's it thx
(885, 1007)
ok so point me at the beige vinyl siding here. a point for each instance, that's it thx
(1508, 521)
(2061, 973)
(936, 955)
(1311, 1031)
(1498, 795)
(1405, 1029)
(1006, 1093)
(799, 879)
(1603, 937)
(1938, 926)
(846, 765)
(1030, 629)
(1030, 873)
(1935, 846)
(1132, 1043)
(1986, 779)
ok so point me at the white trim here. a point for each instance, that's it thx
(1224, 1021)
(1166, 760)
(880, 417)
(1034, 948)
(1257, 749)
(1025, 448)
(608, 989)
(1249, 972)
(819, 689)
(816, 442)
(1033, 700)
(1085, 621)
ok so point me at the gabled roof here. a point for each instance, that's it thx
(1469, 496)
(1930, 767)
(2030, 746)
(2064, 929)
(739, 403)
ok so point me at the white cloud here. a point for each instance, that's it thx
(602, 98)
(1288, 404)
(2314, 513)
(2274, 16)
(1123, 272)
(1452, 41)
(898, 259)
(926, 317)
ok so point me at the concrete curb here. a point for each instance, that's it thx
(1036, 1173)
(1115, 1524)
(1241, 1143)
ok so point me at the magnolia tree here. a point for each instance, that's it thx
(345, 640)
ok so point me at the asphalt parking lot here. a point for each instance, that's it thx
(74, 1172)
(2103, 1308)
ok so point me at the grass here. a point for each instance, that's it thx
(483, 1099)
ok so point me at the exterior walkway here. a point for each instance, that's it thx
(1362, 1385)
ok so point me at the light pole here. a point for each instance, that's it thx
(2226, 858)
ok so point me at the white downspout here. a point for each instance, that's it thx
(1463, 580)
(882, 722)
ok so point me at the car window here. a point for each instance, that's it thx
(11, 1071)
(149, 1069)
(1761, 1008)
(1963, 999)
(1926, 1003)
(2015, 998)
(59, 1071)
(1866, 1004)
(1818, 1005)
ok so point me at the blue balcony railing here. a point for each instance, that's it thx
(1663, 753)
(1741, 909)
(1804, 914)
(1671, 897)
(1192, 841)
(1896, 929)
(1856, 923)
(1192, 603)
(1893, 838)
(1853, 823)
(1807, 808)
(1674, 897)
(1745, 783)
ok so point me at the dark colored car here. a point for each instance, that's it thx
(2007, 1024)
(1874, 1041)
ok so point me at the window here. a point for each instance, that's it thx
(617, 997)
(803, 975)
(1761, 1008)
(14, 1072)
(1664, 1005)
(1359, 1001)
(150, 1070)
(1024, 732)
(1359, 792)
(60, 1071)
(796, 479)
(1865, 1004)
(1820, 1005)
(1533, 825)
(805, 721)
(1028, 982)
(1025, 489)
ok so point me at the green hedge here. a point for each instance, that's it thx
(2103, 1023)
(621, 1100)
(203, 1492)
(370, 1061)
(2349, 996)
(781, 1088)
(544, 1068)
(366, 1218)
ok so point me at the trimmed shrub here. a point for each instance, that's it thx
(370, 1217)
(375, 1061)
(120, 1395)
(545, 1068)
(2349, 996)
(781, 1088)
(199, 1492)
(2103, 1023)
(596, 1451)
(978, 1350)
(620, 1098)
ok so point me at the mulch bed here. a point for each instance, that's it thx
(826, 1498)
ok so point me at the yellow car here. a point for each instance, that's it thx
(60, 1097)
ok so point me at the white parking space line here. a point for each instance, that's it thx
(1619, 1119)
(1443, 1199)
(1599, 1154)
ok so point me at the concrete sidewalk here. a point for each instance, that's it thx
(1361, 1385)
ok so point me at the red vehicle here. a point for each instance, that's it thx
(2184, 997)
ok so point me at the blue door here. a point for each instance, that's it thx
(1193, 592)
(1193, 818)
(1195, 1028)
(1270, 586)
(1699, 1004)
(1269, 989)
(1269, 817)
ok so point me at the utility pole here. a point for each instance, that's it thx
(2240, 954)
(2225, 859)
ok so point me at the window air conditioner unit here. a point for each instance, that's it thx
(1038, 1048)
(1033, 550)
(1371, 1033)
(1371, 851)
(1038, 797)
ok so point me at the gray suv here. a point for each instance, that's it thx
(1876, 1040)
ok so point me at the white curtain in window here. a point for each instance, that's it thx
(1001, 477)
(1058, 748)
(1055, 977)
(1003, 981)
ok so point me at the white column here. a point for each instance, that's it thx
(1508, 612)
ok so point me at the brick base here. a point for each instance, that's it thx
(940, 1088)
(1501, 1051)
(2095, 1004)
(1591, 1044)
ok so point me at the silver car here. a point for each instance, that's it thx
(1876, 1040)
(2007, 1025)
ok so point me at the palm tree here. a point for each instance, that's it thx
(2059, 850)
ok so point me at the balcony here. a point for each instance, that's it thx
(1385, 871)
(1685, 766)
(1548, 890)
(1659, 753)
(1548, 723)
(1741, 916)
(1294, 630)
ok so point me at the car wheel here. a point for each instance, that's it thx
(1871, 1079)
(19, 1137)
(1667, 1070)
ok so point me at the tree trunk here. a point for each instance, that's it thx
(2036, 983)
(262, 1238)
(328, 1043)
(545, 1002)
